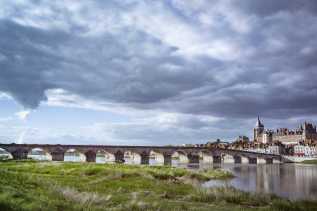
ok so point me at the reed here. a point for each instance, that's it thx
(29, 185)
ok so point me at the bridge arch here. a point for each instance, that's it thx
(5, 155)
(261, 160)
(227, 158)
(276, 160)
(238, 159)
(73, 155)
(156, 158)
(103, 156)
(205, 157)
(179, 157)
(131, 157)
(39, 154)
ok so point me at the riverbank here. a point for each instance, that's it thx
(309, 161)
(296, 159)
(84, 186)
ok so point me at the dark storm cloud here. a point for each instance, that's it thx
(24, 63)
(270, 7)
(144, 65)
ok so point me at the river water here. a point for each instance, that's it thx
(293, 181)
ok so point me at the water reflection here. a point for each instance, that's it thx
(294, 181)
(155, 162)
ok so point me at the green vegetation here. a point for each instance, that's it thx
(30, 185)
(310, 161)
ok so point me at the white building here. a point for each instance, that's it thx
(271, 149)
(274, 149)
(305, 150)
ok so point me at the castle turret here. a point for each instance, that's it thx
(258, 130)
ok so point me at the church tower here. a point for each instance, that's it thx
(258, 130)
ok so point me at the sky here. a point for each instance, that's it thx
(150, 72)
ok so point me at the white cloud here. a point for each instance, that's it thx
(157, 20)
(5, 96)
(62, 98)
(23, 114)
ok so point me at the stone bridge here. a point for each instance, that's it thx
(140, 154)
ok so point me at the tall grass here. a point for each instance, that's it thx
(81, 186)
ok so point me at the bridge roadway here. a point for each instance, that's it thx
(163, 154)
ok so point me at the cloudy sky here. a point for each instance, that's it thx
(154, 72)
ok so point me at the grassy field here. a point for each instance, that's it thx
(310, 161)
(28, 185)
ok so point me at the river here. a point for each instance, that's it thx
(293, 181)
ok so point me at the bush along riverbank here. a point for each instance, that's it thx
(29, 185)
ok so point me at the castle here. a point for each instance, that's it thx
(306, 133)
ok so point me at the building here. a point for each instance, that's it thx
(258, 131)
(218, 144)
(274, 149)
(305, 150)
(304, 133)
(242, 139)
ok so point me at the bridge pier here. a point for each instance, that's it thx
(167, 159)
(252, 160)
(193, 159)
(19, 154)
(237, 159)
(119, 157)
(269, 160)
(57, 156)
(90, 156)
(216, 159)
(145, 158)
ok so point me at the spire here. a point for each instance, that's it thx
(258, 123)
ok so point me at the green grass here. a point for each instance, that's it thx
(29, 185)
(310, 161)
